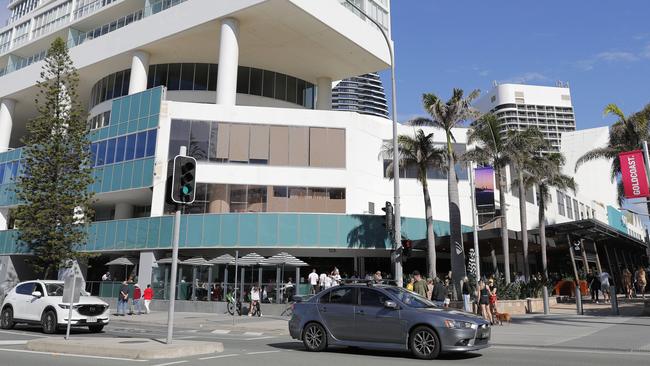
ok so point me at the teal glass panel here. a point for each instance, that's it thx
(268, 230)
(132, 234)
(92, 237)
(117, 177)
(351, 230)
(115, 111)
(211, 229)
(112, 130)
(182, 241)
(3, 240)
(111, 227)
(100, 237)
(153, 121)
(149, 230)
(103, 133)
(288, 230)
(135, 106)
(142, 123)
(248, 229)
(122, 128)
(166, 231)
(120, 234)
(308, 230)
(145, 102)
(107, 179)
(147, 173)
(329, 230)
(127, 174)
(136, 181)
(124, 110)
(194, 231)
(229, 228)
(93, 135)
(156, 99)
(132, 126)
(98, 175)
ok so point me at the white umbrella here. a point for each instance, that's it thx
(122, 261)
(250, 259)
(196, 261)
(223, 259)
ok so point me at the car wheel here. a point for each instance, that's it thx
(314, 337)
(7, 318)
(424, 343)
(49, 322)
(96, 328)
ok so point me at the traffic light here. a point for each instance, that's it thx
(389, 218)
(183, 185)
(407, 245)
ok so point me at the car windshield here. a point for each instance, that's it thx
(410, 298)
(56, 289)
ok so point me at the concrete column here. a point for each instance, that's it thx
(123, 211)
(324, 93)
(145, 269)
(228, 62)
(6, 122)
(139, 71)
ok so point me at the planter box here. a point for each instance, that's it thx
(517, 307)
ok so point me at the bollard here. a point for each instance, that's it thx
(546, 305)
(614, 300)
(578, 300)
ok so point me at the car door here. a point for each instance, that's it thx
(374, 322)
(35, 305)
(336, 308)
(23, 295)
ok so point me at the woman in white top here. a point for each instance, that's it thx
(327, 282)
(336, 277)
(255, 301)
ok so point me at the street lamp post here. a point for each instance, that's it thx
(397, 240)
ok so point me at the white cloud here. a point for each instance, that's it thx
(645, 53)
(616, 56)
(611, 57)
(527, 77)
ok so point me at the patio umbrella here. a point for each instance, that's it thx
(196, 262)
(223, 259)
(122, 261)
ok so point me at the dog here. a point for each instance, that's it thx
(504, 317)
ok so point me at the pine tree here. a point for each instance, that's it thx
(57, 171)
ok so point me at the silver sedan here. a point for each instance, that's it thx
(385, 317)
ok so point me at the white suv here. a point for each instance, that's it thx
(41, 302)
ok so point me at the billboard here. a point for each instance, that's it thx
(633, 174)
(484, 189)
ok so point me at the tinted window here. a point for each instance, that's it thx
(151, 143)
(343, 295)
(39, 288)
(119, 150)
(25, 288)
(110, 152)
(371, 297)
(140, 145)
(243, 75)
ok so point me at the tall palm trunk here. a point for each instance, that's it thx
(504, 223)
(523, 220)
(542, 230)
(456, 249)
(431, 239)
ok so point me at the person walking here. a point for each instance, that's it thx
(313, 282)
(377, 278)
(627, 283)
(255, 302)
(604, 285)
(148, 296)
(429, 288)
(641, 280)
(409, 285)
(493, 299)
(123, 299)
(439, 293)
(594, 287)
(484, 301)
(137, 300)
(467, 305)
(106, 276)
(321, 281)
(420, 285)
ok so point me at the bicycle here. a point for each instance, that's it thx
(233, 304)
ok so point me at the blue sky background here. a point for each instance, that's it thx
(602, 48)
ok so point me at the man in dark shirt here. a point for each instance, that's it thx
(439, 293)
(123, 299)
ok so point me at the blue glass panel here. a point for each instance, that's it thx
(268, 230)
(147, 173)
(308, 230)
(194, 231)
(100, 237)
(151, 143)
(127, 173)
(119, 149)
(141, 145)
(288, 230)
(101, 154)
(14, 170)
(93, 154)
(156, 97)
(107, 180)
(135, 106)
(117, 177)
(120, 240)
(132, 234)
(248, 230)
(110, 151)
(130, 147)
(328, 230)
(2, 173)
(136, 180)
(211, 228)
(229, 229)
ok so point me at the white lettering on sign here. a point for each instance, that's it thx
(634, 176)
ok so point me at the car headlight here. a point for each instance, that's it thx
(66, 306)
(459, 324)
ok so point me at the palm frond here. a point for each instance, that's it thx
(597, 153)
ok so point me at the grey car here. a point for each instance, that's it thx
(385, 317)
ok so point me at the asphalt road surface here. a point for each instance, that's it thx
(253, 350)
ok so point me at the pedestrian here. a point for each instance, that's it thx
(123, 299)
(377, 279)
(336, 277)
(321, 281)
(137, 300)
(484, 301)
(467, 305)
(106, 276)
(429, 288)
(148, 296)
(255, 301)
(328, 281)
(594, 287)
(420, 285)
(409, 285)
(313, 281)
(493, 299)
(627, 282)
(289, 290)
(641, 280)
(604, 285)
(439, 293)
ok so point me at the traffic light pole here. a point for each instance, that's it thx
(172, 284)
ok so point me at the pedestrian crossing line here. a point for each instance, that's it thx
(262, 352)
(12, 343)
(220, 356)
(170, 363)
(220, 331)
(253, 334)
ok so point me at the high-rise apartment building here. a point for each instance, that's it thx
(521, 106)
(363, 94)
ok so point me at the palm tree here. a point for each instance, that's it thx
(447, 116)
(628, 133)
(419, 152)
(522, 146)
(491, 150)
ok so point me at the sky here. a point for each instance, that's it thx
(602, 48)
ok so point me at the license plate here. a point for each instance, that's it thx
(92, 319)
(485, 333)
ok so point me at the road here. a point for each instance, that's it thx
(254, 349)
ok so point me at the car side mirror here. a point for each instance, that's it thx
(390, 304)
(37, 294)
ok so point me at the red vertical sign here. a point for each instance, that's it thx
(635, 180)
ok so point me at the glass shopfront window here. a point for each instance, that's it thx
(124, 148)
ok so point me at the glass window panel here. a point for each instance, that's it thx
(269, 84)
(212, 79)
(301, 92)
(256, 199)
(151, 76)
(161, 75)
(259, 144)
(109, 86)
(242, 79)
(280, 86)
(199, 140)
(218, 198)
(214, 138)
(130, 147)
(120, 148)
(291, 89)
(117, 89)
(174, 77)
(298, 146)
(239, 143)
(198, 207)
(336, 144)
(238, 202)
(180, 136)
(151, 143)
(279, 149)
(318, 148)
(110, 151)
(187, 77)
(101, 153)
(223, 141)
(309, 97)
(256, 82)
(93, 156)
(141, 145)
(125, 82)
(201, 77)
(102, 88)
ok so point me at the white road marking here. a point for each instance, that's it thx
(253, 334)
(257, 338)
(12, 343)
(24, 334)
(569, 350)
(69, 355)
(220, 331)
(262, 352)
(170, 363)
(220, 356)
